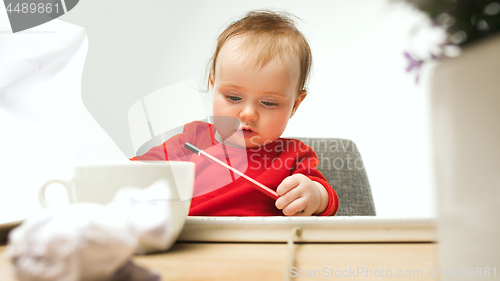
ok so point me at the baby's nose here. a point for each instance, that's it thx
(249, 112)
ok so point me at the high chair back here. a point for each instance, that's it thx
(341, 164)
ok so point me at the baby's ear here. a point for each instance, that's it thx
(211, 78)
(300, 97)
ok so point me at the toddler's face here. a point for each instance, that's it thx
(262, 99)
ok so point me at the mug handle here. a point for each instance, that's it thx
(41, 192)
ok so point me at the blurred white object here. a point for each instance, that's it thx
(88, 241)
(153, 214)
(45, 126)
(427, 40)
(466, 121)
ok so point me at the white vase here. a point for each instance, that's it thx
(465, 100)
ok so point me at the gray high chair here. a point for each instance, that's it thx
(341, 164)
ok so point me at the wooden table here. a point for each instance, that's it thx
(266, 260)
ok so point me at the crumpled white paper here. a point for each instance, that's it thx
(88, 241)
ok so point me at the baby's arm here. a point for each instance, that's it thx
(301, 196)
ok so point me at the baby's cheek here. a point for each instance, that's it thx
(277, 126)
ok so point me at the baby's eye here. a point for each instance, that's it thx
(270, 104)
(233, 98)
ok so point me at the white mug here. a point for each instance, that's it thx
(98, 183)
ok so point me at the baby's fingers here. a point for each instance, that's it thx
(288, 198)
(287, 184)
(296, 207)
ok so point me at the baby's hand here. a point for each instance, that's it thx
(300, 196)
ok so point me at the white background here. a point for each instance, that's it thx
(359, 89)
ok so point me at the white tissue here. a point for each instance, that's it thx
(149, 211)
(88, 241)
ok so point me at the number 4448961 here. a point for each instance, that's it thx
(33, 8)
(470, 272)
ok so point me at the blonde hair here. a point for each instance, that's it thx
(270, 34)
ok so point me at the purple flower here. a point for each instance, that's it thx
(414, 63)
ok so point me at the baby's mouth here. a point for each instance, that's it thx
(247, 132)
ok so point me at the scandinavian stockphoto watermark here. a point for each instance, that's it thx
(366, 272)
(354, 272)
(333, 154)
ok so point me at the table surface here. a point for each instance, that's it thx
(266, 261)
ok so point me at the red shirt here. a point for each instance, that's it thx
(219, 192)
